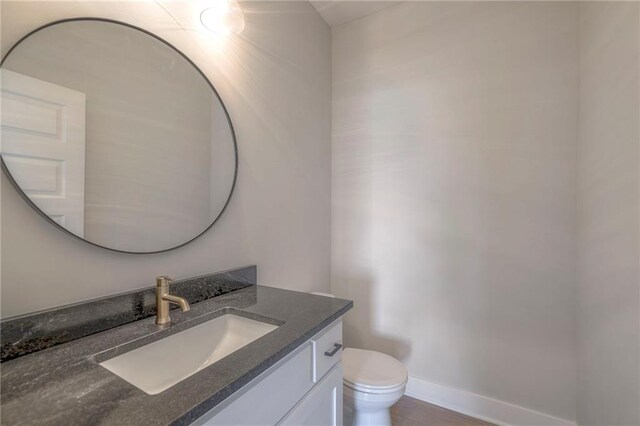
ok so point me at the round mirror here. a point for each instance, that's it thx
(115, 136)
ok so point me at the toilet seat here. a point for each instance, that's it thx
(373, 372)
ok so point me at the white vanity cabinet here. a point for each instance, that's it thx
(303, 389)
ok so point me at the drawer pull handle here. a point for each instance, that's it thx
(336, 348)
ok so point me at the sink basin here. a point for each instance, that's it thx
(157, 366)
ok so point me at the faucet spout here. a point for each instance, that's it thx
(177, 300)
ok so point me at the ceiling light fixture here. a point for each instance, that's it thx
(224, 17)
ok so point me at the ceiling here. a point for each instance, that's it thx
(338, 12)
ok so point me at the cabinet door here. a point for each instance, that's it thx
(322, 406)
(269, 397)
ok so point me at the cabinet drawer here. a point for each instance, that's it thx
(326, 349)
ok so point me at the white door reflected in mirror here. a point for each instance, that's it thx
(43, 145)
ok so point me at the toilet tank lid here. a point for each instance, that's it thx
(371, 369)
(319, 293)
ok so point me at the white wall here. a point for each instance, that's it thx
(609, 231)
(454, 194)
(275, 81)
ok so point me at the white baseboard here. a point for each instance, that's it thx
(492, 410)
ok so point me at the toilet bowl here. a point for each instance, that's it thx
(372, 383)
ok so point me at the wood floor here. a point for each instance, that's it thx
(413, 412)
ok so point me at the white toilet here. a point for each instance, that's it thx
(373, 382)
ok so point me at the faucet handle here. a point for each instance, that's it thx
(163, 281)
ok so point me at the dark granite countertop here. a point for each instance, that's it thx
(64, 385)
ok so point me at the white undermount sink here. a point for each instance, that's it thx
(157, 366)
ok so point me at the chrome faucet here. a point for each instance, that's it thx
(163, 299)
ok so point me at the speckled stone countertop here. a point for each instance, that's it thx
(65, 385)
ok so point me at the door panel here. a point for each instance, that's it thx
(43, 145)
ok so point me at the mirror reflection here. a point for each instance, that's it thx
(115, 135)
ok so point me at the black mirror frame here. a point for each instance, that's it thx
(233, 135)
